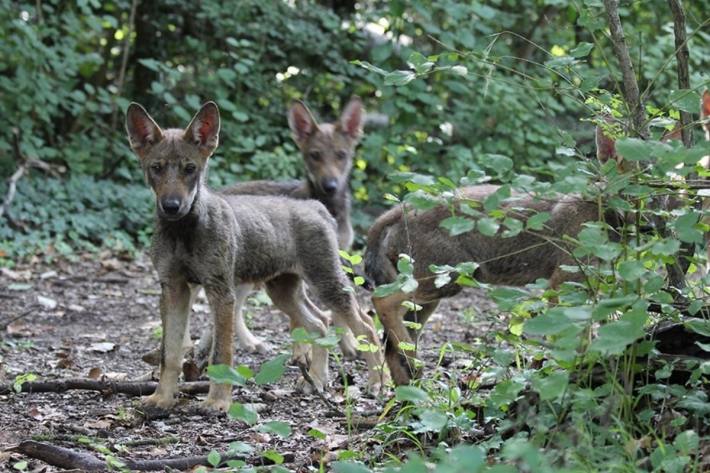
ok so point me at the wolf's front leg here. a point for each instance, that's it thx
(175, 300)
(223, 304)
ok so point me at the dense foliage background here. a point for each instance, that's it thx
(69, 69)
(499, 90)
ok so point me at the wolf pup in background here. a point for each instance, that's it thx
(327, 150)
(221, 242)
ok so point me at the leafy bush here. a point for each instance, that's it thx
(60, 216)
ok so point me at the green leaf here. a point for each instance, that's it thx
(349, 467)
(457, 225)
(420, 63)
(552, 386)
(685, 99)
(240, 448)
(410, 394)
(634, 149)
(241, 412)
(274, 456)
(317, 434)
(497, 163)
(431, 421)
(699, 326)
(504, 393)
(686, 227)
(223, 374)
(581, 50)
(631, 270)
(488, 226)
(399, 78)
(614, 337)
(282, 429)
(214, 458)
(272, 370)
(537, 221)
(21, 379)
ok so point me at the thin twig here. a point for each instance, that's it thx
(120, 81)
(318, 392)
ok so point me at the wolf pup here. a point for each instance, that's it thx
(224, 242)
(513, 261)
(327, 150)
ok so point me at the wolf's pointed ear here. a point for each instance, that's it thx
(142, 130)
(203, 130)
(301, 122)
(705, 113)
(606, 149)
(351, 120)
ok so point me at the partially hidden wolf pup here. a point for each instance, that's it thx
(511, 261)
(223, 242)
(327, 150)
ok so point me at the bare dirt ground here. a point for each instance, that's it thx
(97, 316)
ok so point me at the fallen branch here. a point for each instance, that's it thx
(72, 459)
(130, 388)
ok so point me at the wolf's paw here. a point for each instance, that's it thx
(348, 345)
(160, 401)
(251, 344)
(309, 388)
(213, 405)
(377, 383)
(302, 355)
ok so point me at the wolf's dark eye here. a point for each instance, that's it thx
(341, 155)
(190, 168)
(315, 155)
(156, 167)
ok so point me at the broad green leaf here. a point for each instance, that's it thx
(537, 221)
(214, 458)
(551, 386)
(241, 412)
(488, 226)
(686, 227)
(274, 456)
(581, 50)
(699, 326)
(410, 393)
(349, 467)
(685, 99)
(272, 370)
(634, 149)
(431, 421)
(399, 78)
(457, 225)
(504, 393)
(614, 337)
(282, 429)
(631, 270)
(223, 374)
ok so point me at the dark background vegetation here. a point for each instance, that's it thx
(69, 69)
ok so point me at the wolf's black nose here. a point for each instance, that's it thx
(329, 185)
(170, 205)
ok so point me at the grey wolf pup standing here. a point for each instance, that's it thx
(327, 150)
(511, 261)
(222, 242)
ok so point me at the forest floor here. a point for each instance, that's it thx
(95, 317)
